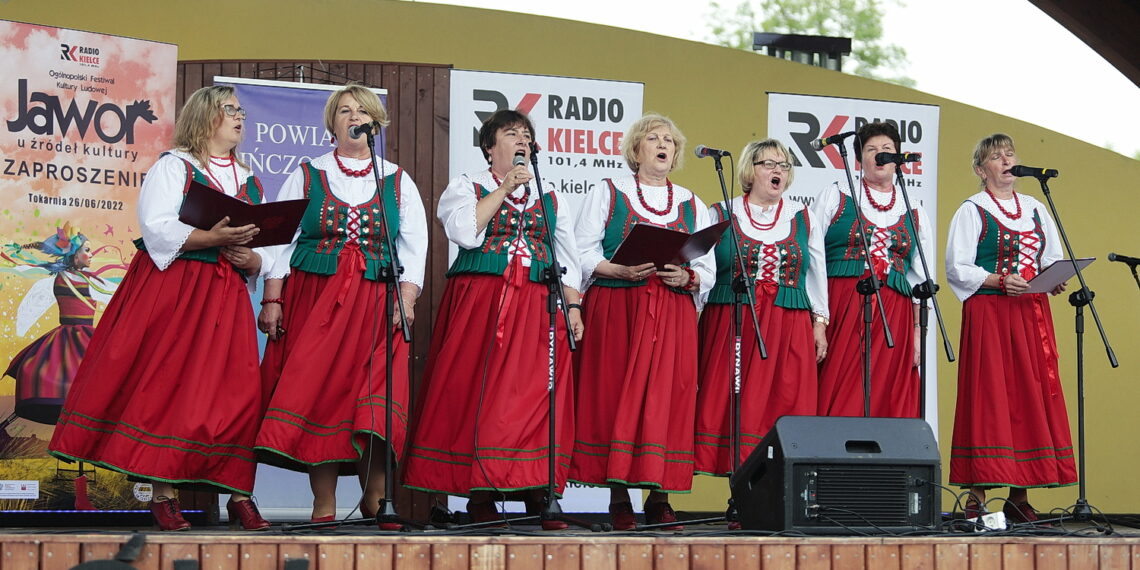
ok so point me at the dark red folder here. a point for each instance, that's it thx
(278, 221)
(650, 243)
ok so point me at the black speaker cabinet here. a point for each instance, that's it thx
(823, 475)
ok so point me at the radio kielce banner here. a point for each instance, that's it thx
(797, 120)
(579, 125)
(85, 116)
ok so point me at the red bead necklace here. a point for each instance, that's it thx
(876, 205)
(515, 201)
(668, 201)
(1016, 202)
(214, 160)
(759, 226)
(350, 172)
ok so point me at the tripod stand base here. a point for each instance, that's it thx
(1082, 511)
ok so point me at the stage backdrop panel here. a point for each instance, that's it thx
(85, 116)
(797, 120)
(579, 126)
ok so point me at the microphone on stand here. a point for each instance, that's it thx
(897, 157)
(1035, 172)
(359, 130)
(818, 144)
(1130, 261)
(702, 151)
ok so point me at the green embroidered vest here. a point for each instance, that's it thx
(845, 254)
(794, 262)
(621, 219)
(490, 258)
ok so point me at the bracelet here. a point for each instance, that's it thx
(692, 285)
(821, 320)
(570, 306)
(277, 300)
(1001, 282)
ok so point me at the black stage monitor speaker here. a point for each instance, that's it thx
(823, 475)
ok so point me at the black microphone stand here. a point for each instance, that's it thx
(555, 304)
(1132, 266)
(1078, 299)
(866, 287)
(742, 288)
(926, 292)
(390, 275)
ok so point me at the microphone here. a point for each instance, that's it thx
(520, 160)
(1130, 261)
(702, 151)
(897, 157)
(1035, 172)
(818, 144)
(358, 130)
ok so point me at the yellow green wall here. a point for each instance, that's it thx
(715, 95)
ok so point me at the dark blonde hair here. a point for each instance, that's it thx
(987, 146)
(637, 133)
(363, 95)
(751, 152)
(200, 117)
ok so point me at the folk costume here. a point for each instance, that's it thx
(166, 391)
(482, 421)
(1011, 427)
(637, 363)
(783, 247)
(329, 365)
(891, 238)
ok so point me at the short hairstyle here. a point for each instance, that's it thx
(987, 146)
(363, 95)
(870, 130)
(637, 133)
(752, 152)
(499, 120)
(200, 116)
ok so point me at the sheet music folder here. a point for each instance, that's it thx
(203, 207)
(651, 243)
(1057, 273)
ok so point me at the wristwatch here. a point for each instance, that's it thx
(820, 319)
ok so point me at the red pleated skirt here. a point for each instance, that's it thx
(167, 390)
(637, 388)
(1011, 427)
(329, 371)
(894, 377)
(482, 419)
(783, 385)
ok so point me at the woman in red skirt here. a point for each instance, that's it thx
(783, 247)
(1011, 428)
(163, 393)
(324, 312)
(893, 242)
(482, 422)
(637, 368)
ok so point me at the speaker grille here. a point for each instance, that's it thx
(858, 495)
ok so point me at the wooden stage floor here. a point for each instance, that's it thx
(369, 549)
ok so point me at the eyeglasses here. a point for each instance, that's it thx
(232, 111)
(772, 165)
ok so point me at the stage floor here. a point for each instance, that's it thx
(702, 546)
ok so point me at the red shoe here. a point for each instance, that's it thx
(974, 508)
(734, 525)
(1020, 512)
(247, 514)
(485, 513)
(168, 515)
(622, 516)
(661, 512)
(324, 519)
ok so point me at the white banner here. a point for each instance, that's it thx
(796, 120)
(579, 126)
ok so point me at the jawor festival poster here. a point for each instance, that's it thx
(84, 115)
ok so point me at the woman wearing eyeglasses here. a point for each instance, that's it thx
(164, 393)
(893, 242)
(324, 313)
(782, 245)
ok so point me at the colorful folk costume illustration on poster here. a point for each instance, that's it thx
(45, 368)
